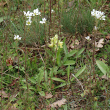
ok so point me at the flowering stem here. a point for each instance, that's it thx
(94, 46)
(94, 53)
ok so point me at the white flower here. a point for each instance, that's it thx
(17, 37)
(102, 18)
(43, 20)
(52, 11)
(28, 14)
(88, 38)
(28, 22)
(29, 18)
(95, 28)
(93, 12)
(98, 14)
(36, 12)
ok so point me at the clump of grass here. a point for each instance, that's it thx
(78, 21)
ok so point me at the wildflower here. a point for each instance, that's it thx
(98, 14)
(52, 11)
(60, 44)
(28, 22)
(88, 38)
(43, 20)
(36, 12)
(29, 18)
(95, 28)
(93, 12)
(17, 37)
(28, 14)
(55, 42)
(50, 45)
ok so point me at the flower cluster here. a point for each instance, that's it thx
(17, 37)
(29, 16)
(34, 13)
(98, 14)
(55, 42)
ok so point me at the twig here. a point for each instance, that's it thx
(40, 54)
(78, 82)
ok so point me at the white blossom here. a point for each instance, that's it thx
(29, 18)
(17, 37)
(98, 14)
(95, 28)
(36, 12)
(43, 20)
(52, 11)
(28, 22)
(88, 38)
(28, 14)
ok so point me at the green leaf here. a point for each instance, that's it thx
(71, 53)
(46, 76)
(79, 72)
(79, 52)
(65, 107)
(2, 18)
(32, 88)
(42, 93)
(58, 57)
(45, 86)
(68, 72)
(58, 79)
(61, 85)
(102, 66)
(65, 49)
(64, 59)
(53, 70)
(40, 77)
(32, 80)
(69, 62)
